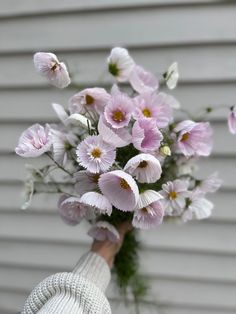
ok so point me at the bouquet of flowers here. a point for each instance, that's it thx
(125, 155)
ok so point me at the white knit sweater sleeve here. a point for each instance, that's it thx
(81, 291)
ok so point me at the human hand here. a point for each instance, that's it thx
(108, 249)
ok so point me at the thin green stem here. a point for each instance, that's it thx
(58, 165)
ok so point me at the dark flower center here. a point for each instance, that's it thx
(113, 69)
(124, 184)
(142, 164)
(89, 99)
(118, 116)
(185, 137)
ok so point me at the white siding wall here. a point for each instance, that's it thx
(191, 268)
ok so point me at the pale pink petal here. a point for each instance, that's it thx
(103, 230)
(97, 201)
(71, 210)
(120, 189)
(143, 81)
(48, 65)
(95, 155)
(34, 141)
(144, 167)
(116, 137)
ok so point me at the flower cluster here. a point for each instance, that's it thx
(122, 151)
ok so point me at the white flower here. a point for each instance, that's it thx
(174, 193)
(120, 64)
(199, 207)
(172, 75)
(97, 201)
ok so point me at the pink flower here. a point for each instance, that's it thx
(144, 167)
(117, 137)
(118, 110)
(143, 81)
(120, 189)
(48, 65)
(97, 201)
(89, 99)
(194, 138)
(232, 120)
(146, 135)
(210, 184)
(199, 207)
(102, 231)
(71, 210)
(34, 141)
(149, 212)
(120, 63)
(174, 194)
(95, 155)
(151, 105)
(86, 181)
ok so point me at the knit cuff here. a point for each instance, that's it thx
(94, 268)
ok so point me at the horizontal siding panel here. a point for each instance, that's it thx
(10, 133)
(86, 30)
(164, 291)
(213, 63)
(12, 168)
(35, 104)
(13, 8)
(206, 236)
(48, 256)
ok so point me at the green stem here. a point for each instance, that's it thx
(58, 165)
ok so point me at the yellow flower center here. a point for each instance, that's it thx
(96, 153)
(124, 184)
(173, 195)
(144, 210)
(89, 100)
(54, 66)
(118, 116)
(142, 164)
(147, 113)
(185, 137)
(95, 177)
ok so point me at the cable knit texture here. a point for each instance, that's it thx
(81, 291)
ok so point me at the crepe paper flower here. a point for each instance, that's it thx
(97, 201)
(95, 155)
(71, 210)
(143, 81)
(146, 136)
(232, 120)
(171, 76)
(89, 99)
(103, 230)
(149, 212)
(117, 137)
(151, 105)
(174, 194)
(120, 189)
(194, 138)
(61, 113)
(198, 208)
(118, 110)
(120, 63)
(210, 184)
(86, 181)
(62, 143)
(144, 167)
(48, 65)
(34, 141)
